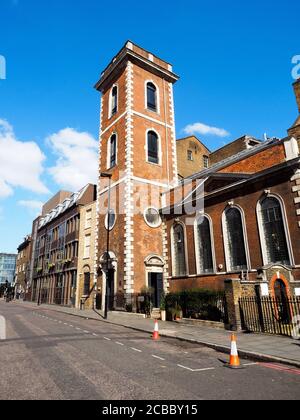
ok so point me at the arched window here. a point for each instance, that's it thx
(114, 101)
(153, 147)
(204, 250)
(235, 245)
(112, 152)
(151, 97)
(179, 261)
(273, 236)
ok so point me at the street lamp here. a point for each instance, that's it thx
(109, 176)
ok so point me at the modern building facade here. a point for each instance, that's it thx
(56, 248)
(7, 268)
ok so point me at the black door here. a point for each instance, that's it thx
(111, 289)
(282, 302)
(155, 281)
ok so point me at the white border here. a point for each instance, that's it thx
(110, 101)
(149, 224)
(108, 165)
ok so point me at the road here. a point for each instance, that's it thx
(50, 355)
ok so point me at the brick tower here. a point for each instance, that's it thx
(138, 150)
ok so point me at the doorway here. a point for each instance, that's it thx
(155, 282)
(281, 297)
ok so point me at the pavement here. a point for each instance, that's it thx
(261, 347)
(50, 355)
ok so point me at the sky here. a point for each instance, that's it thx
(234, 60)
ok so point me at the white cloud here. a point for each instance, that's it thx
(77, 163)
(31, 204)
(203, 129)
(21, 163)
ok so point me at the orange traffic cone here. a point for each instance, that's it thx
(234, 362)
(155, 335)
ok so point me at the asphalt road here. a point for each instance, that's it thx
(49, 355)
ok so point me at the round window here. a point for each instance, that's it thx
(152, 217)
(112, 220)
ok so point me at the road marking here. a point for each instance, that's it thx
(250, 364)
(95, 335)
(184, 367)
(107, 339)
(79, 329)
(137, 350)
(86, 332)
(196, 370)
(157, 357)
(119, 344)
(72, 326)
(65, 323)
(280, 368)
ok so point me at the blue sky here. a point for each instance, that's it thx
(234, 60)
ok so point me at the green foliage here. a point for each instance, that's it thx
(197, 304)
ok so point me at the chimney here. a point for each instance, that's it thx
(297, 93)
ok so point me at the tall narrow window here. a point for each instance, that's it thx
(153, 147)
(205, 162)
(114, 101)
(179, 260)
(151, 97)
(87, 246)
(112, 149)
(87, 284)
(204, 246)
(235, 241)
(274, 236)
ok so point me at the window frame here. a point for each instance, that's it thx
(146, 221)
(174, 274)
(108, 158)
(230, 269)
(157, 111)
(159, 151)
(196, 240)
(111, 114)
(261, 229)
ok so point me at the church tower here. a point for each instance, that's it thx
(138, 150)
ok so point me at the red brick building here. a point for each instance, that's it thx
(246, 222)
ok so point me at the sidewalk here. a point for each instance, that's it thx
(255, 346)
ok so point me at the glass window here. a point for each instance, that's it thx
(153, 149)
(204, 245)
(205, 162)
(152, 217)
(88, 219)
(87, 246)
(113, 151)
(151, 97)
(114, 101)
(87, 284)
(190, 155)
(274, 232)
(179, 251)
(235, 239)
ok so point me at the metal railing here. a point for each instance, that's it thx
(269, 315)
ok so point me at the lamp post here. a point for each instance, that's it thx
(109, 176)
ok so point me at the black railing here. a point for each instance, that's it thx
(270, 315)
(135, 302)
